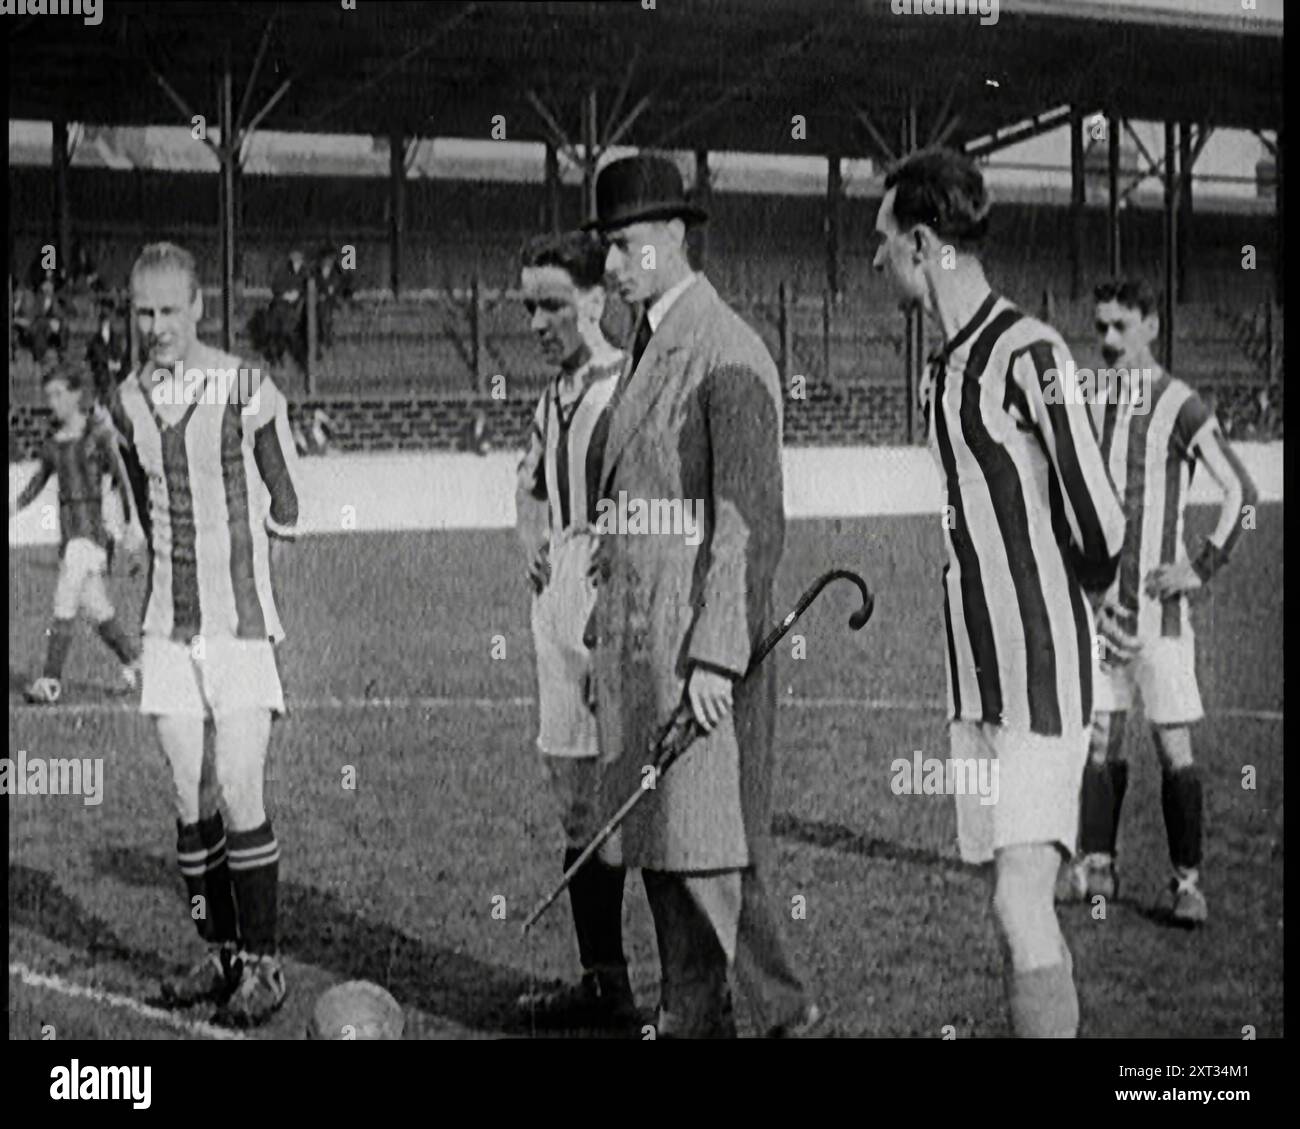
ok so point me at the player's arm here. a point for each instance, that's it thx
(1092, 511)
(30, 492)
(107, 438)
(531, 510)
(267, 419)
(124, 432)
(1199, 438)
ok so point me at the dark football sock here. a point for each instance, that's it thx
(112, 634)
(221, 898)
(192, 855)
(1180, 795)
(254, 876)
(56, 653)
(1097, 809)
(596, 899)
(1118, 786)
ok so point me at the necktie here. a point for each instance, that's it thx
(643, 334)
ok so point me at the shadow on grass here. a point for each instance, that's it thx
(36, 902)
(845, 840)
(316, 928)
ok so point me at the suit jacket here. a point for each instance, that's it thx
(286, 281)
(99, 354)
(699, 419)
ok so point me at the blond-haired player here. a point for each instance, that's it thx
(213, 442)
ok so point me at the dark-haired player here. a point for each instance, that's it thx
(1155, 432)
(213, 441)
(556, 500)
(1033, 531)
(79, 452)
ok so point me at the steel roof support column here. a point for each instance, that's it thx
(834, 196)
(229, 162)
(590, 153)
(1185, 161)
(552, 188)
(1170, 244)
(702, 193)
(914, 328)
(61, 157)
(1112, 198)
(396, 204)
(1078, 200)
(1278, 272)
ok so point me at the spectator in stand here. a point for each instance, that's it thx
(333, 286)
(286, 329)
(40, 322)
(108, 352)
(38, 272)
(84, 275)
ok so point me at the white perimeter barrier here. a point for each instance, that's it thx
(370, 493)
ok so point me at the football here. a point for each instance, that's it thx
(356, 1010)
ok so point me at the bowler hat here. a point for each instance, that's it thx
(634, 189)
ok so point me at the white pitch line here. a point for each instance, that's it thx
(308, 705)
(112, 999)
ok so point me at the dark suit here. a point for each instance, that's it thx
(286, 322)
(109, 361)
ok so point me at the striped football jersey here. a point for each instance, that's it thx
(80, 464)
(567, 444)
(1152, 437)
(220, 479)
(1031, 520)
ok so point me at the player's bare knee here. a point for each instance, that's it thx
(1173, 746)
(1099, 740)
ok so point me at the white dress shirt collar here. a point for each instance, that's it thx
(664, 302)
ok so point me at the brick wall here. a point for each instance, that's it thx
(826, 417)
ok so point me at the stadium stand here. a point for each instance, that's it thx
(422, 362)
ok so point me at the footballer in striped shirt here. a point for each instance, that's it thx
(1033, 532)
(213, 441)
(80, 452)
(1156, 432)
(558, 491)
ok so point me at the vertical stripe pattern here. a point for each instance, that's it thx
(573, 446)
(1031, 517)
(210, 499)
(1153, 470)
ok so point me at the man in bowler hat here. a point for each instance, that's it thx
(695, 428)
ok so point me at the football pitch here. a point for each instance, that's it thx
(416, 833)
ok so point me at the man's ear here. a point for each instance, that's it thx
(593, 301)
(196, 307)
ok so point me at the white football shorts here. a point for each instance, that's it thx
(566, 726)
(1034, 796)
(1163, 673)
(219, 676)
(81, 582)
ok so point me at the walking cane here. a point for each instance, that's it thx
(682, 729)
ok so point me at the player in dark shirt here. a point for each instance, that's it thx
(79, 452)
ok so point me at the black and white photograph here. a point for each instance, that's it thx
(643, 521)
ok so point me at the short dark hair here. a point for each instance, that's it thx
(581, 253)
(944, 190)
(67, 373)
(1131, 293)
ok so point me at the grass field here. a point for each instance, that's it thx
(388, 669)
